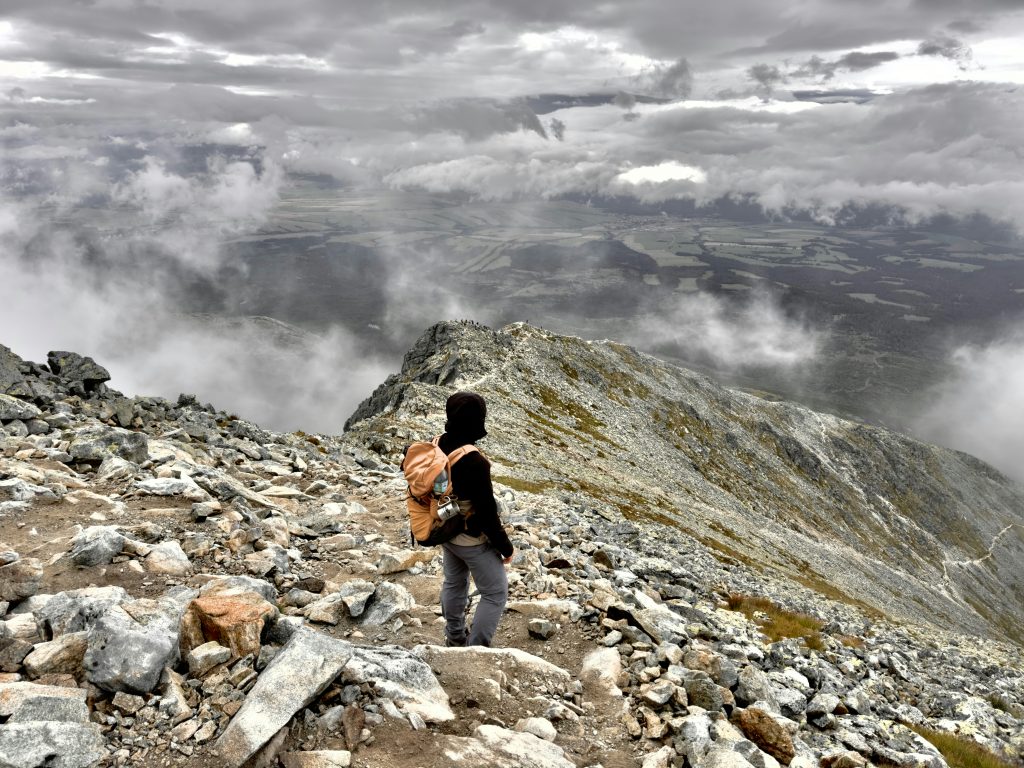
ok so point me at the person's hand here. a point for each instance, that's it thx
(507, 560)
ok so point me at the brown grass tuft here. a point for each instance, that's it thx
(777, 622)
(961, 752)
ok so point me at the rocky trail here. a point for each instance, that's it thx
(179, 587)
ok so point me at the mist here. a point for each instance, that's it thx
(731, 336)
(120, 291)
(977, 409)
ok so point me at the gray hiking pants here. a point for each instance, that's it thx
(484, 562)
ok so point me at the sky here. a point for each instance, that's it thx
(813, 104)
(169, 125)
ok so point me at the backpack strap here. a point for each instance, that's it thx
(458, 453)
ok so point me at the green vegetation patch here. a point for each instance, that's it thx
(777, 622)
(961, 752)
(585, 421)
(522, 484)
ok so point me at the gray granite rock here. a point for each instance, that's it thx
(301, 670)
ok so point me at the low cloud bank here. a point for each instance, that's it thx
(756, 333)
(120, 293)
(979, 408)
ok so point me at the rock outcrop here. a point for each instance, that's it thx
(912, 530)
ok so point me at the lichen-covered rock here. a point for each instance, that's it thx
(96, 545)
(73, 367)
(94, 444)
(130, 644)
(51, 744)
(12, 408)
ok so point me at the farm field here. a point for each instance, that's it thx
(386, 266)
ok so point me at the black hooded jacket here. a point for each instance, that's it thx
(471, 475)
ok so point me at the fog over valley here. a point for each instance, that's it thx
(265, 205)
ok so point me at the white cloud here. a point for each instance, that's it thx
(116, 297)
(662, 172)
(978, 408)
(756, 333)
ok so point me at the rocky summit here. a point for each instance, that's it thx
(703, 579)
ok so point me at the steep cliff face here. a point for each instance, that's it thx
(861, 514)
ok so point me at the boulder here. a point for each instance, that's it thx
(600, 671)
(236, 585)
(695, 737)
(15, 489)
(78, 609)
(12, 408)
(20, 579)
(130, 644)
(762, 729)
(54, 709)
(403, 677)
(754, 685)
(303, 668)
(540, 629)
(96, 545)
(539, 727)
(15, 696)
(333, 758)
(701, 691)
(660, 759)
(12, 382)
(73, 367)
(62, 655)
(183, 486)
(205, 657)
(355, 595)
(550, 608)
(232, 618)
(389, 600)
(722, 757)
(51, 744)
(498, 747)
(403, 560)
(327, 610)
(169, 558)
(94, 444)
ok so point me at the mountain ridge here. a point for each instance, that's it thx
(899, 525)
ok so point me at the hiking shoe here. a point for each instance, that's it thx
(449, 643)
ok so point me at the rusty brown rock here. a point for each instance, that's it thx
(353, 721)
(762, 729)
(233, 620)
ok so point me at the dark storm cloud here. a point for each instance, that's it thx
(948, 48)
(674, 81)
(766, 76)
(855, 61)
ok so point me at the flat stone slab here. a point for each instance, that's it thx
(498, 747)
(299, 673)
(54, 745)
(515, 662)
(403, 677)
(15, 695)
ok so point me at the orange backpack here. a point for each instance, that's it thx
(428, 471)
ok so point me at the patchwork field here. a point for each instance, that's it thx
(891, 299)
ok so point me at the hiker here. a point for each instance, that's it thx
(483, 548)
